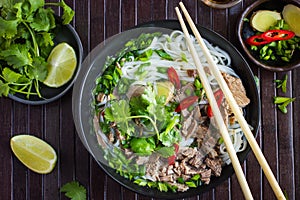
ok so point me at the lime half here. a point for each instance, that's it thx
(62, 64)
(34, 153)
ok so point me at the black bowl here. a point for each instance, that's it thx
(64, 33)
(244, 31)
(93, 67)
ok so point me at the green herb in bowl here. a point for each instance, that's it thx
(26, 39)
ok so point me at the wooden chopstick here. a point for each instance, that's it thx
(235, 108)
(217, 114)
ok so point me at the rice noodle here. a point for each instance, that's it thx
(175, 45)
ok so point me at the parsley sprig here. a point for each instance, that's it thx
(26, 39)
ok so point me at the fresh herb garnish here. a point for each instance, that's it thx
(112, 69)
(194, 181)
(74, 191)
(282, 83)
(26, 39)
(283, 102)
(143, 146)
(150, 110)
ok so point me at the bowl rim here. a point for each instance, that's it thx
(221, 5)
(154, 193)
(69, 84)
(240, 26)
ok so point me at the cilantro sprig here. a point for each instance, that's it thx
(153, 114)
(74, 191)
(26, 39)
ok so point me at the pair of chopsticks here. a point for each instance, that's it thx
(234, 107)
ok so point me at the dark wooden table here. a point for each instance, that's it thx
(96, 20)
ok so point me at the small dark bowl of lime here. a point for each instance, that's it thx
(265, 55)
(63, 33)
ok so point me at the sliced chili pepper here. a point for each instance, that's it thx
(171, 159)
(187, 102)
(275, 35)
(173, 77)
(219, 97)
(257, 40)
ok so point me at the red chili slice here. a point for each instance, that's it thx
(171, 159)
(185, 103)
(257, 40)
(219, 97)
(173, 77)
(270, 36)
(275, 35)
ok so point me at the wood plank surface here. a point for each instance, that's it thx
(97, 20)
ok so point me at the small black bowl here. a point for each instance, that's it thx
(64, 33)
(244, 31)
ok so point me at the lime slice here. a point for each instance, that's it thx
(291, 14)
(263, 19)
(165, 88)
(34, 153)
(61, 65)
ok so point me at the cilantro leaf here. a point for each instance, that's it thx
(17, 81)
(38, 70)
(36, 4)
(41, 20)
(74, 191)
(17, 56)
(109, 116)
(68, 13)
(149, 97)
(45, 39)
(138, 106)
(143, 146)
(18, 6)
(170, 135)
(8, 28)
(10, 76)
(120, 112)
(4, 89)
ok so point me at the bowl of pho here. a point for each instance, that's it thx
(142, 113)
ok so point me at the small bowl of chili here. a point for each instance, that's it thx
(275, 47)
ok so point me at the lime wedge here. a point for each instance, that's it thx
(291, 14)
(263, 19)
(165, 88)
(62, 63)
(34, 153)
